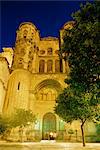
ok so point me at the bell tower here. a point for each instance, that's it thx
(26, 47)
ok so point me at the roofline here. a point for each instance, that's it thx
(49, 38)
(30, 23)
(69, 22)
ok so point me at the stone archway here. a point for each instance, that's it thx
(48, 125)
(50, 83)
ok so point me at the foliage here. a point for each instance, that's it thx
(80, 101)
(82, 45)
(72, 106)
(22, 117)
(3, 124)
(96, 137)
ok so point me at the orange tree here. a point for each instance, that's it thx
(22, 117)
(80, 101)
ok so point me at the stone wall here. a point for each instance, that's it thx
(4, 75)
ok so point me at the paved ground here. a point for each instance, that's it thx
(48, 145)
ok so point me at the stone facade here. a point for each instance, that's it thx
(35, 77)
(4, 75)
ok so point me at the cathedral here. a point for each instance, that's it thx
(32, 75)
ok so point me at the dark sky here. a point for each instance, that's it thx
(48, 16)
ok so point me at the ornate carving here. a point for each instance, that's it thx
(47, 94)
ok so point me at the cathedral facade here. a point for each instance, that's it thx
(32, 75)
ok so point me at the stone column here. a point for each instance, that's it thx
(54, 66)
(45, 66)
(64, 68)
(34, 64)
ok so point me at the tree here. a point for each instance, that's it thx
(5, 127)
(72, 106)
(81, 49)
(3, 124)
(82, 45)
(22, 117)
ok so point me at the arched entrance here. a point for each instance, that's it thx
(50, 83)
(49, 125)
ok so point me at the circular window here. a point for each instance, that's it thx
(42, 52)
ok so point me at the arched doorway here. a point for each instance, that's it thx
(49, 125)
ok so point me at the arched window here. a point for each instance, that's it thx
(29, 65)
(41, 66)
(49, 51)
(49, 66)
(25, 34)
(18, 85)
(20, 63)
(57, 66)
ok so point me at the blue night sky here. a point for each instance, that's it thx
(48, 16)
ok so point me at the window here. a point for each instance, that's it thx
(57, 66)
(18, 85)
(37, 49)
(34, 46)
(49, 66)
(41, 66)
(24, 37)
(29, 65)
(49, 51)
(20, 60)
(42, 52)
(25, 33)
(20, 63)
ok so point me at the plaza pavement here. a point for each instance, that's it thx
(47, 145)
